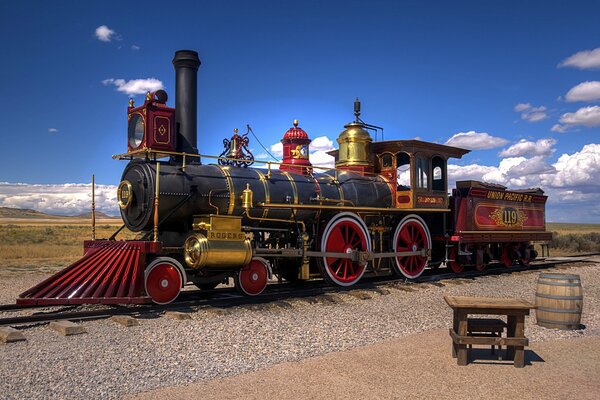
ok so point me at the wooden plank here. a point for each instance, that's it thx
(492, 303)
(485, 325)
(519, 349)
(488, 340)
(462, 355)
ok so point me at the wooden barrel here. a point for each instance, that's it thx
(558, 301)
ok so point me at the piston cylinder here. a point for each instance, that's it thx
(201, 252)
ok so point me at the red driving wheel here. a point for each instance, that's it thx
(252, 279)
(163, 280)
(344, 233)
(411, 235)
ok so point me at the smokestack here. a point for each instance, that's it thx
(186, 63)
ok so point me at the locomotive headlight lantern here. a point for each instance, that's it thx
(152, 125)
(135, 131)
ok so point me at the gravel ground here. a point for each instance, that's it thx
(111, 361)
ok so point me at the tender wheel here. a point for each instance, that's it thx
(525, 255)
(411, 235)
(508, 255)
(480, 259)
(163, 280)
(252, 279)
(344, 233)
(455, 263)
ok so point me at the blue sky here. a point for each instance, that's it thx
(519, 82)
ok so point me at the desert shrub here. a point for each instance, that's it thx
(576, 243)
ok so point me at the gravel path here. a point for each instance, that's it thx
(111, 361)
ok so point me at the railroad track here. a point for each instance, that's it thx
(228, 297)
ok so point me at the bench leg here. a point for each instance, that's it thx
(455, 327)
(461, 321)
(510, 332)
(519, 351)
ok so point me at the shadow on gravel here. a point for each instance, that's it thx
(485, 356)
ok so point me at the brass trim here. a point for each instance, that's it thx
(389, 183)
(348, 208)
(168, 130)
(263, 179)
(247, 196)
(293, 185)
(287, 221)
(337, 184)
(93, 208)
(124, 204)
(227, 175)
(156, 196)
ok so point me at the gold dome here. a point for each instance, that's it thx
(355, 146)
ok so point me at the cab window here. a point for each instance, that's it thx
(422, 169)
(403, 171)
(438, 181)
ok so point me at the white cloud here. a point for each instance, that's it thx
(577, 170)
(531, 114)
(542, 147)
(585, 116)
(64, 199)
(475, 141)
(105, 34)
(585, 91)
(471, 172)
(277, 149)
(587, 59)
(320, 158)
(52, 130)
(135, 47)
(321, 143)
(135, 86)
(522, 107)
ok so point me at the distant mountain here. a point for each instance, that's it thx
(7, 212)
(99, 215)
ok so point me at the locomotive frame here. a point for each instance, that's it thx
(207, 223)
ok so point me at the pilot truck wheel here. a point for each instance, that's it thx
(163, 280)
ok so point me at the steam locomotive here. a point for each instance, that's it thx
(383, 209)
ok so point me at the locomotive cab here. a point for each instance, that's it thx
(416, 171)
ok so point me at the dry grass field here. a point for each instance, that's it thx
(47, 245)
(578, 229)
(44, 245)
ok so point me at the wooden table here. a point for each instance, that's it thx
(514, 309)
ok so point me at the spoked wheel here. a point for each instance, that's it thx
(508, 255)
(525, 255)
(411, 235)
(344, 233)
(480, 259)
(455, 263)
(252, 279)
(163, 280)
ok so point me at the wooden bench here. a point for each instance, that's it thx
(487, 327)
(515, 339)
